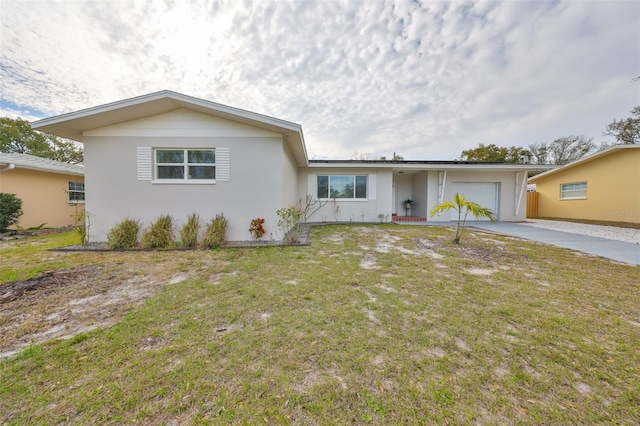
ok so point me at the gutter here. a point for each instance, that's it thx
(8, 167)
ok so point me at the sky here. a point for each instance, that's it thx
(423, 79)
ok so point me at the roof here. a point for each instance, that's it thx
(26, 161)
(430, 165)
(72, 125)
(583, 160)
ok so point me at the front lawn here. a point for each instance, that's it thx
(383, 324)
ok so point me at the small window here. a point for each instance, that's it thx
(185, 164)
(342, 187)
(572, 191)
(76, 192)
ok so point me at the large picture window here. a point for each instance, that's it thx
(76, 192)
(185, 164)
(342, 187)
(577, 190)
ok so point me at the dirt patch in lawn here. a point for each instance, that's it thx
(62, 304)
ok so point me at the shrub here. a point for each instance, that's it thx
(257, 229)
(160, 234)
(216, 232)
(289, 223)
(10, 210)
(83, 223)
(124, 235)
(190, 230)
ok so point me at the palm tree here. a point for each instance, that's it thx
(461, 204)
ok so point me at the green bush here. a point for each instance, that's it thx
(10, 210)
(124, 235)
(216, 232)
(190, 231)
(160, 234)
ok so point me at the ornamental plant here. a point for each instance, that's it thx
(190, 231)
(463, 207)
(216, 232)
(10, 210)
(124, 235)
(289, 221)
(257, 228)
(160, 234)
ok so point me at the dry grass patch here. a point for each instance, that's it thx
(306, 335)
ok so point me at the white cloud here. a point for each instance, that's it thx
(424, 80)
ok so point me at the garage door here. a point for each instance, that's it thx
(485, 194)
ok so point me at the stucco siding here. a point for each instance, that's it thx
(289, 178)
(378, 200)
(255, 188)
(613, 189)
(44, 197)
(181, 123)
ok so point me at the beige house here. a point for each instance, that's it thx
(603, 186)
(51, 191)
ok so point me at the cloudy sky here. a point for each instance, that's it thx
(423, 79)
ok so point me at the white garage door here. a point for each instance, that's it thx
(485, 194)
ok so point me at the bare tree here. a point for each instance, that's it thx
(626, 131)
(361, 156)
(539, 153)
(570, 148)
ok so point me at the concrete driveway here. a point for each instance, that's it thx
(610, 249)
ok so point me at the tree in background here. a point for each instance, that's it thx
(626, 131)
(539, 153)
(361, 156)
(570, 148)
(17, 136)
(10, 210)
(562, 150)
(396, 157)
(513, 155)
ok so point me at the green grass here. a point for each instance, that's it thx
(366, 325)
(25, 258)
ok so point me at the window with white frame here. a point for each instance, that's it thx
(342, 187)
(185, 164)
(576, 190)
(76, 192)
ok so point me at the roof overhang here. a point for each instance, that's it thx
(74, 124)
(583, 160)
(13, 161)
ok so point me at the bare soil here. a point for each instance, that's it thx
(62, 304)
(65, 303)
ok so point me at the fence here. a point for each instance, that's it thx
(532, 204)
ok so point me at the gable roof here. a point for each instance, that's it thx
(583, 160)
(73, 124)
(31, 162)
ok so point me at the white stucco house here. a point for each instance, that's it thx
(168, 153)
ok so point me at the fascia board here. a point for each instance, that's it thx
(582, 160)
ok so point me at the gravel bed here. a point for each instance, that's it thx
(626, 235)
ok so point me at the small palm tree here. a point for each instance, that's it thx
(461, 204)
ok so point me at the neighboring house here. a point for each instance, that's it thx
(167, 153)
(602, 186)
(51, 191)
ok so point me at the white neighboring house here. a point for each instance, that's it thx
(168, 153)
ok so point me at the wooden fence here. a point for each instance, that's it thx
(532, 204)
